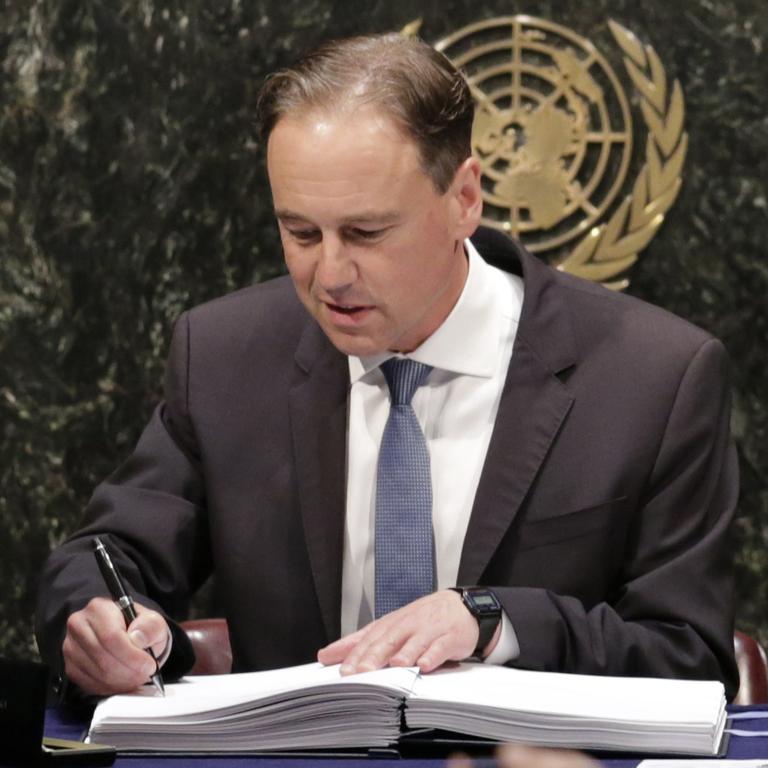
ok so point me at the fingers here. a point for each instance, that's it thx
(374, 649)
(101, 657)
(337, 651)
(412, 653)
(442, 649)
(426, 633)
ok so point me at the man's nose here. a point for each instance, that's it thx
(335, 269)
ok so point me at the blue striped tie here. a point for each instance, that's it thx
(405, 547)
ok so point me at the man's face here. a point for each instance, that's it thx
(375, 252)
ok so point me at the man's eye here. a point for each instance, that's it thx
(367, 234)
(303, 235)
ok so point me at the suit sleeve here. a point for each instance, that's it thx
(672, 613)
(151, 513)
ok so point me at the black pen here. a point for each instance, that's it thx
(122, 598)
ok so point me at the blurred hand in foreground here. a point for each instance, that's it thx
(520, 756)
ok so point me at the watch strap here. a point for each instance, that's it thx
(487, 620)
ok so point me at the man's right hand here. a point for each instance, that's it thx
(102, 657)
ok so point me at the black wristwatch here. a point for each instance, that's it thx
(486, 608)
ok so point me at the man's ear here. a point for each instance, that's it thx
(466, 198)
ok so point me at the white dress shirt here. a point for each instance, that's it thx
(456, 408)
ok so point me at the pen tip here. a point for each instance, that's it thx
(158, 682)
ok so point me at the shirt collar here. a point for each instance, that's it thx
(468, 339)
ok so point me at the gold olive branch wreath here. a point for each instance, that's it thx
(608, 249)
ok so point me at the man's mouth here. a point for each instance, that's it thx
(346, 309)
(347, 315)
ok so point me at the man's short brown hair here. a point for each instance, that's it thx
(406, 78)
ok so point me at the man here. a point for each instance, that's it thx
(578, 465)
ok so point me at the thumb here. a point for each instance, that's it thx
(149, 630)
(138, 638)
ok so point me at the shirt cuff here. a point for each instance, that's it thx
(507, 649)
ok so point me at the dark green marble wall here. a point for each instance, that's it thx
(131, 187)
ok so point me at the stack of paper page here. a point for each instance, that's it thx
(306, 707)
(582, 711)
(313, 707)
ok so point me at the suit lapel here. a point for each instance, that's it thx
(318, 413)
(533, 406)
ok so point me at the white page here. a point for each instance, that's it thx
(627, 699)
(701, 763)
(207, 693)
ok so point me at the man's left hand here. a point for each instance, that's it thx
(425, 634)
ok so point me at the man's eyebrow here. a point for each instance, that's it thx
(372, 217)
(286, 215)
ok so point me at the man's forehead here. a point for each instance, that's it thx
(344, 130)
(358, 160)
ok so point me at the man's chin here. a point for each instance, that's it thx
(354, 345)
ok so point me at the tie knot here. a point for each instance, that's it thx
(404, 377)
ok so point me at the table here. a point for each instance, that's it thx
(71, 723)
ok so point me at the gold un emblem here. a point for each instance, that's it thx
(554, 134)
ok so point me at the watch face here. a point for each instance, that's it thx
(483, 601)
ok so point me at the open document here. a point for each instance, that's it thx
(314, 707)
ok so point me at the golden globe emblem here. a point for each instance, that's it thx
(554, 134)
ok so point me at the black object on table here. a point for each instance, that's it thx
(23, 692)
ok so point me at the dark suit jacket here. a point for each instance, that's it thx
(601, 518)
